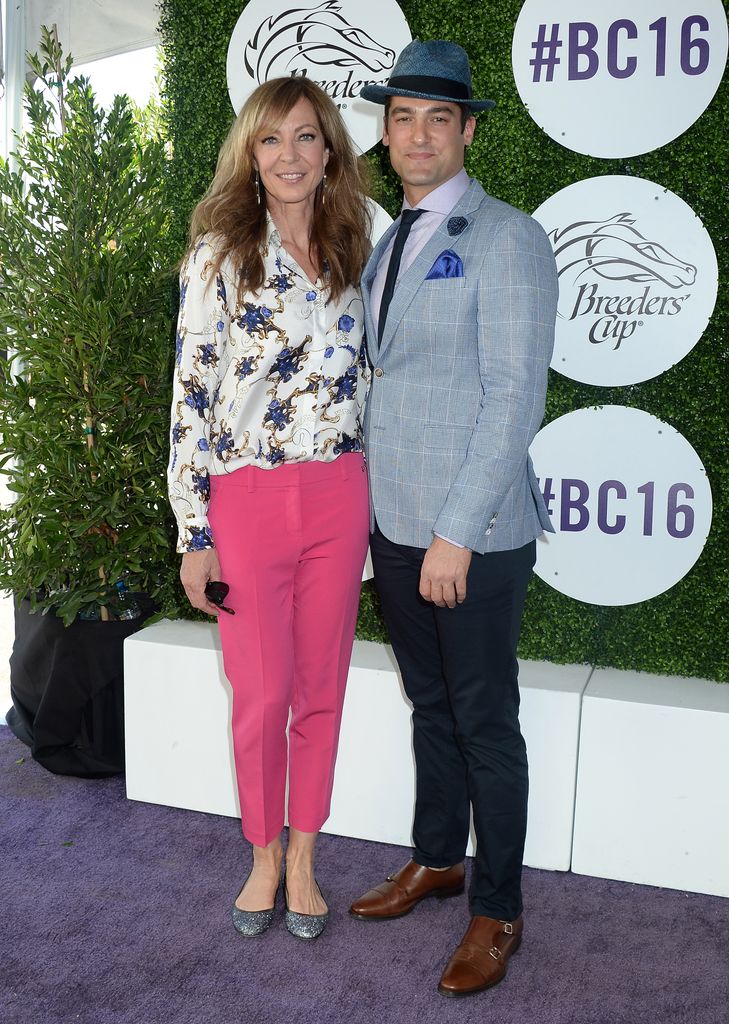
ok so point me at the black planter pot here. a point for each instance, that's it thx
(67, 686)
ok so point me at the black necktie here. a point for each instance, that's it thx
(407, 219)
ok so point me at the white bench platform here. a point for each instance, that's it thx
(652, 791)
(178, 747)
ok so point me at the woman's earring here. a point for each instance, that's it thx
(323, 189)
(258, 188)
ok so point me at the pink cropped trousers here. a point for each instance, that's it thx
(291, 543)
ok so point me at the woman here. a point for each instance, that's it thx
(266, 476)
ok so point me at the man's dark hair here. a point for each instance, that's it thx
(465, 111)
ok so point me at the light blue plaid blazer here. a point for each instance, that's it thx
(459, 383)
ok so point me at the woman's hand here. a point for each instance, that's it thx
(198, 567)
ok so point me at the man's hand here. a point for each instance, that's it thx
(444, 572)
(198, 567)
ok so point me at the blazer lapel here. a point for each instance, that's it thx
(410, 282)
(368, 277)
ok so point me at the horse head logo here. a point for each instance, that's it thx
(318, 36)
(613, 249)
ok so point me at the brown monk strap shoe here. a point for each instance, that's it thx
(401, 892)
(480, 960)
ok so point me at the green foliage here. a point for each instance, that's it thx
(149, 119)
(681, 631)
(84, 395)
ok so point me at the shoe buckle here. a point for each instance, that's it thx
(508, 927)
(495, 952)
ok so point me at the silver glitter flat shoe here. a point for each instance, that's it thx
(305, 926)
(253, 922)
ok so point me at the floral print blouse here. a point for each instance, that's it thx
(280, 377)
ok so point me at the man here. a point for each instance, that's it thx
(460, 304)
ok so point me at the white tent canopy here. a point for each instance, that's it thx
(92, 29)
(87, 29)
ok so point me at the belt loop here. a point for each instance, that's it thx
(342, 459)
(251, 480)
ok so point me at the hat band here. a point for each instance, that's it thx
(429, 84)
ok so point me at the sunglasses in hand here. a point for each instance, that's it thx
(216, 592)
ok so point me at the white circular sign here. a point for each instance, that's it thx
(629, 499)
(342, 45)
(638, 279)
(381, 221)
(620, 78)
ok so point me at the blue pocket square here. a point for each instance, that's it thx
(448, 264)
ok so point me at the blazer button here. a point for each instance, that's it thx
(379, 372)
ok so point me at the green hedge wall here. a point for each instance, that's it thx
(682, 631)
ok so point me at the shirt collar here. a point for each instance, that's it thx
(443, 198)
(273, 238)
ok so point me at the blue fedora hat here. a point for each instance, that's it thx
(434, 70)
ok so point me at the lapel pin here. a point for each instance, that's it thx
(456, 225)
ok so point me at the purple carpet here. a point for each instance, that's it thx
(116, 912)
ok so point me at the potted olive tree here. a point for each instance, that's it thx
(87, 545)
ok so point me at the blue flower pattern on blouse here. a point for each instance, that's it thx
(288, 362)
(199, 539)
(246, 367)
(347, 444)
(224, 445)
(274, 456)
(278, 413)
(179, 430)
(196, 396)
(344, 387)
(201, 484)
(249, 386)
(254, 319)
(207, 354)
(280, 283)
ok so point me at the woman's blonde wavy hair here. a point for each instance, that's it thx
(231, 213)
